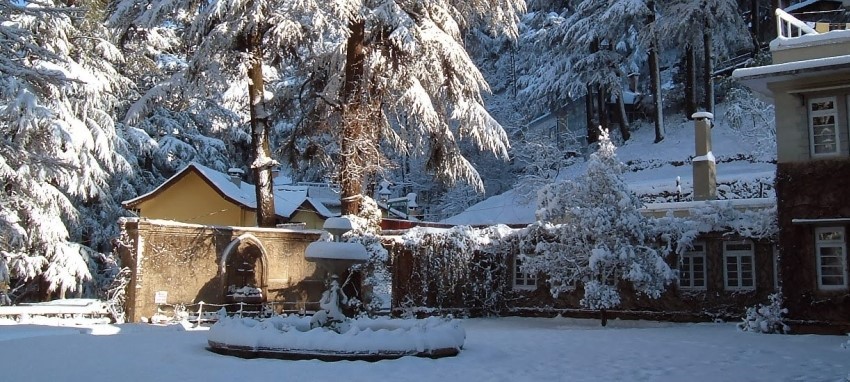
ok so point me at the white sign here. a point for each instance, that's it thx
(161, 297)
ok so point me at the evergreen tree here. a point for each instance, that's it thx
(600, 237)
(60, 151)
(722, 26)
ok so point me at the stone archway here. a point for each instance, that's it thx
(244, 270)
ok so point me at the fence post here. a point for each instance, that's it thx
(200, 313)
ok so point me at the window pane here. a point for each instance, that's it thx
(824, 120)
(832, 280)
(823, 105)
(830, 236)
(739, 246)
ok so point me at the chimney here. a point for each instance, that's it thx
(235, 175)
(705, 173)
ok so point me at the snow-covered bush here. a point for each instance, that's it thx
(766, 318)
(461, 267)
(601, 237)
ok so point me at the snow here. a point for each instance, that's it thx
(705, 158)
(503, 349)
(336, 250)
(364, 335)
(338, 224)
(651, 172)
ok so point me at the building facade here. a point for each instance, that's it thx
(809, 84)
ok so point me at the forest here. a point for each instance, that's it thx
(102, 100)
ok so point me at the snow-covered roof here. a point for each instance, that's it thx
(754, 203)
(758, 77)
(287, 201)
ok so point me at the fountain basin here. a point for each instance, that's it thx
(364, 339)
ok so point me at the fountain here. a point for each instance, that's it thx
(328, 334)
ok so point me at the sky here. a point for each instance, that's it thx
(496, 349)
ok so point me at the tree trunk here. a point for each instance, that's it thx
(709, 69)
(262, 165)
(655, 80)
(351, 162)
(755, 20)
(592, 128)
(602, 107)
(690, 81)
(623, 118)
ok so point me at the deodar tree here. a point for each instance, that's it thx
(61, 158)
(401, 76)
(232, 41)
(721, 25)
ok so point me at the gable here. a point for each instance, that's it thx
(190, 198)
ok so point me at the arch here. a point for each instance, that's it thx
(233, 247)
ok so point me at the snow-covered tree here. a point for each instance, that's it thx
(600, 238)
(589, 52)
(60, 151)
(753, 119)
(231, 43)
(365, 72)
(722, 26)
(406, 79)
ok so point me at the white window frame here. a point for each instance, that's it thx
(523, 280)
(739, 255)
(834, 243)
(823, 113)
(688, 267)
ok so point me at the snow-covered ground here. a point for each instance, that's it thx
(653, 168)
(502, 349)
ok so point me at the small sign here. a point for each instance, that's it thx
(161, 297)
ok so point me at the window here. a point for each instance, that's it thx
(523, 280)
(692, 268)
(739, 262)
(823, 130)
(831, 250)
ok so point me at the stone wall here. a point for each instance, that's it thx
(186, 264)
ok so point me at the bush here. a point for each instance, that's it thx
(766, 318)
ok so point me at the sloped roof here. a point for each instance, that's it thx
(286, 201)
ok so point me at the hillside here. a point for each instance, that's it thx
(652, 171)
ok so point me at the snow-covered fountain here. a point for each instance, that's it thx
(329, 334)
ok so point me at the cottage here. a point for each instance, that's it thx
(809, 84)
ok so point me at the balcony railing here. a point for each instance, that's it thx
(788, 26)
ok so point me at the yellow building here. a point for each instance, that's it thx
(200, 195)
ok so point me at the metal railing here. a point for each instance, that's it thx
(202, 312)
